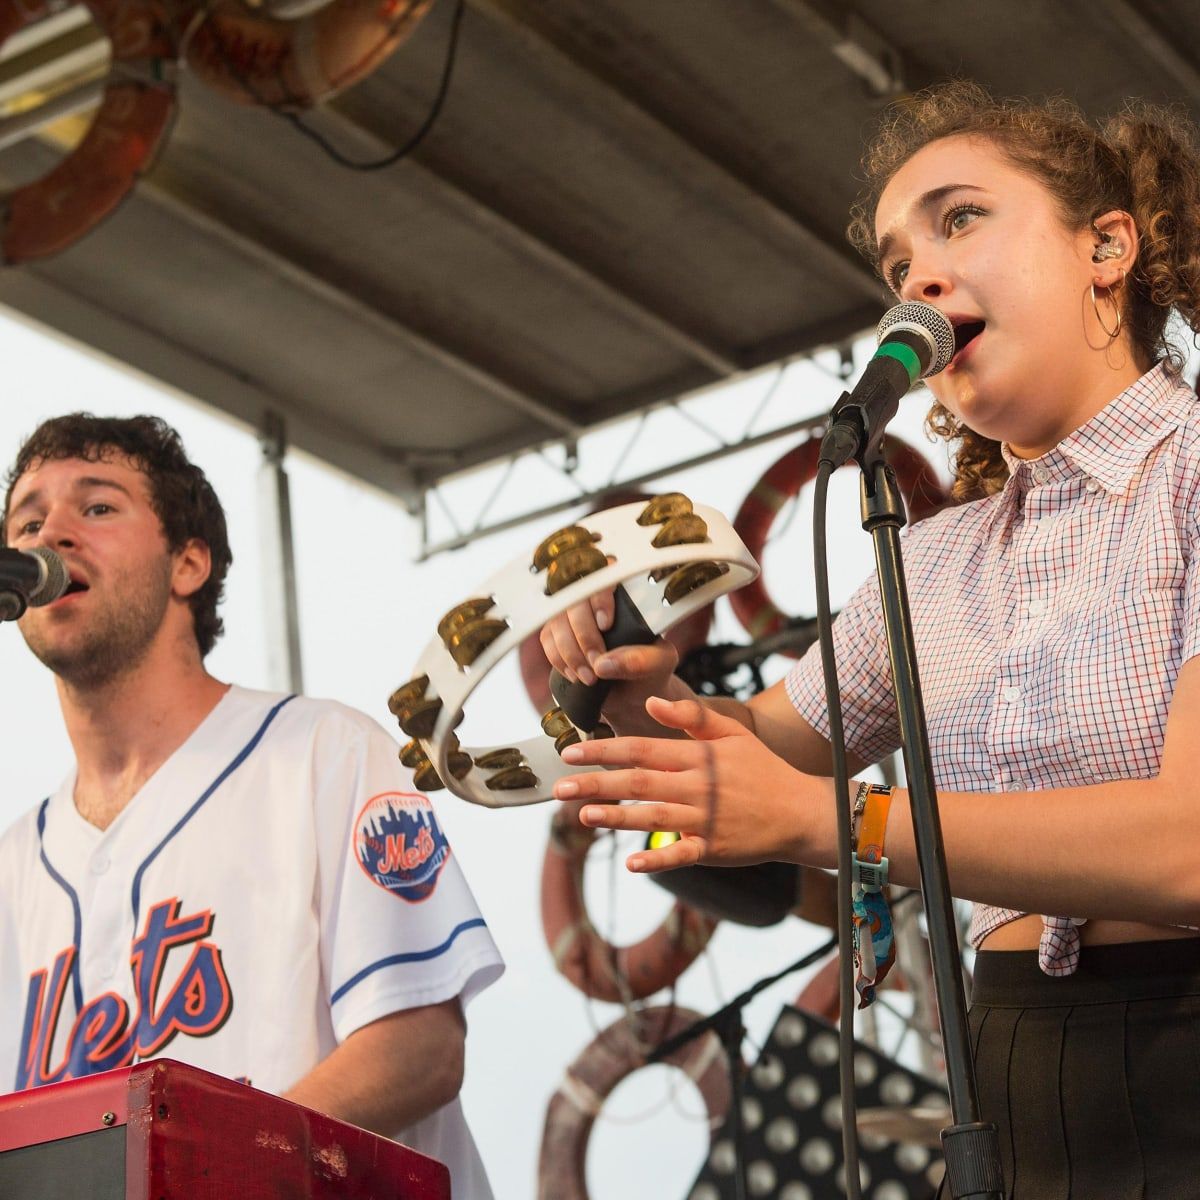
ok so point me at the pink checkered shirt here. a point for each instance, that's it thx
(1051, 621)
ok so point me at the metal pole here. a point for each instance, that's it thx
(277, 556)
(971, 1145)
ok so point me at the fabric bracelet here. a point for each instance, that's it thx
(874, 941)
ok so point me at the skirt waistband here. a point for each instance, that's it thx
(1106, 974)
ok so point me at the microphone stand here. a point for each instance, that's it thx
(971, 1146)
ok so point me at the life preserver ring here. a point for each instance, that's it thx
(612, 1055)
(265, 60)
(16, 14)
(128, 129)
(595, 967)
(752, 605)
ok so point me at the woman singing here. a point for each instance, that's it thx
(1057, 618)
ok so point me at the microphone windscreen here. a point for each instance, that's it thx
(929, 322)
(55, 581)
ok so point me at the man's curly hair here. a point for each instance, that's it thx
(180, 494)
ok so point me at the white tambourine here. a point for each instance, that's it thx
(670, 559)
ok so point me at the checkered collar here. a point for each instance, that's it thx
(1112, 445)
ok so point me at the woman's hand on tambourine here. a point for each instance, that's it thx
(573, 642)
(733, 801)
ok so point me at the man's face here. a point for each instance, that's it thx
(97, 516)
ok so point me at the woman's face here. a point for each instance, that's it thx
(960, 227)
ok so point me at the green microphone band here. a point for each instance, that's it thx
(905, 356)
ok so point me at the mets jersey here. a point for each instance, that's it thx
(274, 886)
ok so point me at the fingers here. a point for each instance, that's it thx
(686, 852)
(564, 639)
(653, 754)
(695, 719)
(643, 818)
(603, 607)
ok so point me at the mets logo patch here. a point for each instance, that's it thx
(400, 845)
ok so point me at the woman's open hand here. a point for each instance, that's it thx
(732, 800)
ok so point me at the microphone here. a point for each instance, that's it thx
(915, 341)
(33, 577)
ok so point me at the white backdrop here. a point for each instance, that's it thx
(366, 612)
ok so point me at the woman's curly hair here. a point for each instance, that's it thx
(1143, 161)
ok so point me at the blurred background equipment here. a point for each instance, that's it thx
(792, 1122)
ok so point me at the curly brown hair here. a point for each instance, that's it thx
(1143, 161)
(180, 494)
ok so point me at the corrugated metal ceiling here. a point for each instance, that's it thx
(621, 201)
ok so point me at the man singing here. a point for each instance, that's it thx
(242, 881)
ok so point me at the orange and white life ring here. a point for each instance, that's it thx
(265, 60)
(782, 481)
(612, 1055)
(16, 14)
(128, 129)
(595, 967)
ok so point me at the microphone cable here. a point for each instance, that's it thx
(841, 785)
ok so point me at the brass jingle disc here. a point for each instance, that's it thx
(663, 508)
(418, 718)
(469, 642)
(498, 760)
(688, 579)
(571, 537)
(426, 779)
(573, 565)
(512, 779)
(412, 755)
(407, 693)
(683, 530)
(568, 738)
(463, 614)
(459, 762)
(555, 722)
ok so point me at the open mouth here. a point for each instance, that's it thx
(75, 587)
(965, 333)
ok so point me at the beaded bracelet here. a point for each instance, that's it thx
(874, 941)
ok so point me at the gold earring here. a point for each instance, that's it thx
(1112, 333)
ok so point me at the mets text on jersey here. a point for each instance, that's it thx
(103, 1036)
(400, 845)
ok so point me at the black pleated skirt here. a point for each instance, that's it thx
(1093, 1079)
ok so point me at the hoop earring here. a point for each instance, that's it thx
(1113, 334)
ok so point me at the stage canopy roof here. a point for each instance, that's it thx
(620, 202)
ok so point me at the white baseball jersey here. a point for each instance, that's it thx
(274, 886)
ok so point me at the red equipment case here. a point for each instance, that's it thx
(166, 1131)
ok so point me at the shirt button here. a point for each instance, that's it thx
(1040, 474)
(1011, 694)
(100, 864)
(107, 968)
(1091, 485)
(1037, 607)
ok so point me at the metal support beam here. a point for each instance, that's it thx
(543, 44)
(1154, 43)
(167, 194)
(809, 427)
(277, 559)
(201, 377)
(530, 243)
(885, 70)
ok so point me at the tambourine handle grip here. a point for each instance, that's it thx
(582, 702)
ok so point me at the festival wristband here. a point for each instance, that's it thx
(874, 941)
